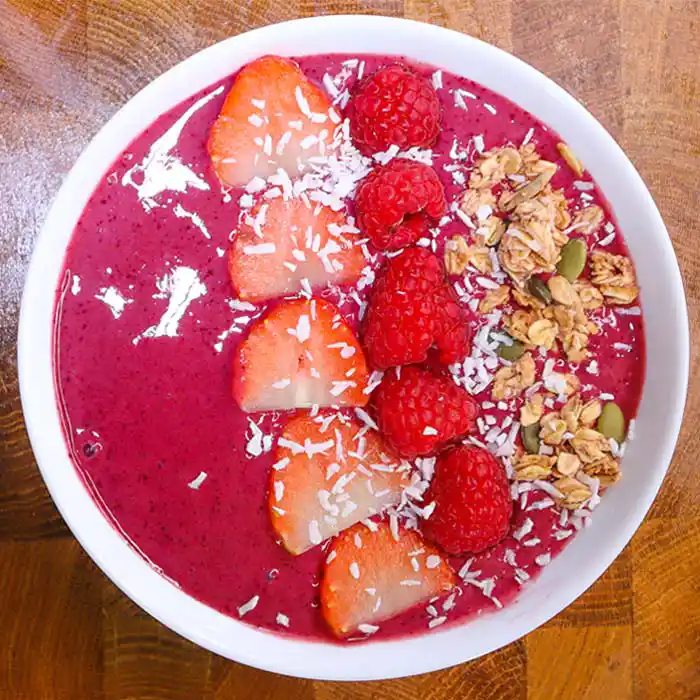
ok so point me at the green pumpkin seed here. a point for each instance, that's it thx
(539, 289)
(530, 435)
(573, 259)
(512, 352)
(611, 423)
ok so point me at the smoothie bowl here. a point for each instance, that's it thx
(353, 348)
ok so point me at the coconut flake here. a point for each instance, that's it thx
(198, 481)
(524, 529)
(260, 249)
(436, 621)
(247, 607)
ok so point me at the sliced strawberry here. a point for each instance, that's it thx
(273, 117)
(282, 242)
(370, 577)
(300, 355)
(330, 473)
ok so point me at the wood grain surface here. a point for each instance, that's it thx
(67, 633)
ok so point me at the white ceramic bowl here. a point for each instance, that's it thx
(622, 509)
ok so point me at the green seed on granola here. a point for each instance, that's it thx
(538, 288)
(530, 435)
(611, 423)
(511, 352)
(573, 259)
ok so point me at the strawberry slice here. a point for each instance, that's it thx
(330, 472)
(370, 577)
(301, 354)
(283, 242)
(273, 117)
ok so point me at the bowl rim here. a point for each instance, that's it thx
(110, 550)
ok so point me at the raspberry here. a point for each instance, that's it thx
(394, 106)
(419, 411)
(396, 202)
(472, 501)
(413, 308)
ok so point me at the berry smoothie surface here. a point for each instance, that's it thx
(148, 326)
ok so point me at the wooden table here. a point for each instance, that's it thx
(66, 632)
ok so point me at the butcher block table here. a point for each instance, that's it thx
(66, 632)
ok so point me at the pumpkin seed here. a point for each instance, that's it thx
(512, 352)
(530, 435)
(611, 423)
(538, 288)
(573, 259)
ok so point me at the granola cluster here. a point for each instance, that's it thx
(614, 277)
(564, 321)
(568, 447)
(522, 224)
(547, 302)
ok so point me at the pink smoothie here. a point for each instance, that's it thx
(145, 388)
